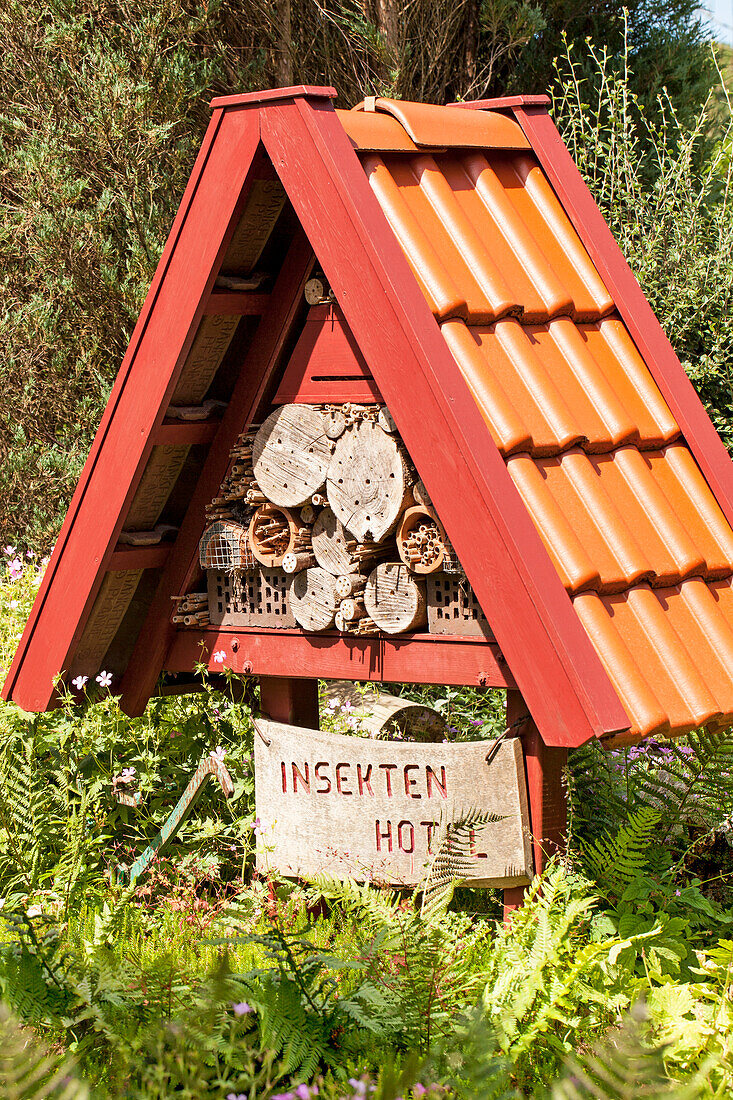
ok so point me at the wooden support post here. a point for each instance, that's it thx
(547, 799)
(288, 700)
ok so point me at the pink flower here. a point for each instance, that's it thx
(242, 1009)
(218, 754)
(79, 682)
(15, 568)
(9, 551)
(13, 603)
(104, 679)
(257, 827)
(219, 657)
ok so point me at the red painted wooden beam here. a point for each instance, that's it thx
(530, 613)
(206, 219)
(125, 558)
(234, 303)
(186, 433)
(294, 702)
(417, 658)
(182, 567)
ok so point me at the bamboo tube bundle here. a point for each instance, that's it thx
(191, 609)
(291, 455)
(365, 627)
(368, 481)
(274, 533)
(225, 545)
(420, 541)
(395, 599)
(312, 598)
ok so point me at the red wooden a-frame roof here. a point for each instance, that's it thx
(578, 476)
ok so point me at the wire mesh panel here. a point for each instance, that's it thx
(453, 607)
(225, 546)
(256, 598)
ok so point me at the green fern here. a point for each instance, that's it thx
(28, 1072)
(626, 1066)
(615, 861)
(453, 862)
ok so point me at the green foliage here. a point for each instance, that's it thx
(614, 862)
(27, 1072)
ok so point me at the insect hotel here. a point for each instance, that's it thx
(396, 410)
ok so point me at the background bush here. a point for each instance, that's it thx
(104, 103)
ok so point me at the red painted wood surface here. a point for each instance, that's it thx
(125, 558)
(666, 369)
(417, 658)
(550, 655)
(294, 702)
(182, 433)
(234, 303)
(272, 95)
(150, 369)
(544, 767)
(182, 567)
(326, 364)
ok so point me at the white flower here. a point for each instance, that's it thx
(219, 656)
(218, 754)
(104, 679)
(79, 682)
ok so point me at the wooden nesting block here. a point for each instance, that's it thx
(313, 599)
(395, 599)
(274, 533)
(420, 541)
(368, 482)
(291, 455)
(333, 545)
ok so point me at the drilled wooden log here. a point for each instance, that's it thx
(352, 609)
(295, 562)
(420, 541)
(275, 532)
(335, 423)
(386, 421)
(333, 546)
(312, 597)
(291, 455)
(349, 584)
(368, 482)
(394, 599)
(387, 715)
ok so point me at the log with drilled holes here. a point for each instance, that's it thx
(395, 599)
(333, 546)
(275, 532)
(420, 541)
(312, 598)
(368, 481)
(291, 455)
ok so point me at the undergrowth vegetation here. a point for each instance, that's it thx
(207, 980)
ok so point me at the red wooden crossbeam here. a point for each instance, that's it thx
(236, 303)
(182, 433)
(139, 557)
(182, 567)
(415, 658)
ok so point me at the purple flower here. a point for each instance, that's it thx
(127, 774)
(284, 1096)
(242, 1009)
(236, 1096)
(677, 893)
(477, 721)
(304, 1092)
(419, 1090)
(104, 679)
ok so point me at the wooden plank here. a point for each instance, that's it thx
(139, 557)
(552, 658)
(182, 567)
(411, 658)
(294, 702)
(649, 336)
(358, 808)
(159, 346)
(233, 303)
(182, 433)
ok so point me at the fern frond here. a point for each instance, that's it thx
(614, 861)
(454, 861)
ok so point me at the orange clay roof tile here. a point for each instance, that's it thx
(433, 126)
(626, 516)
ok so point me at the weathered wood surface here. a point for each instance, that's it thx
(209, 765)
(161, 474)
(394, 599)
(333, 545)
(368, 481)
(384, 715)
(292, 454)
(356, 808)
(113, 599)
(313, 600)
(204, 359)
(264, 204)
